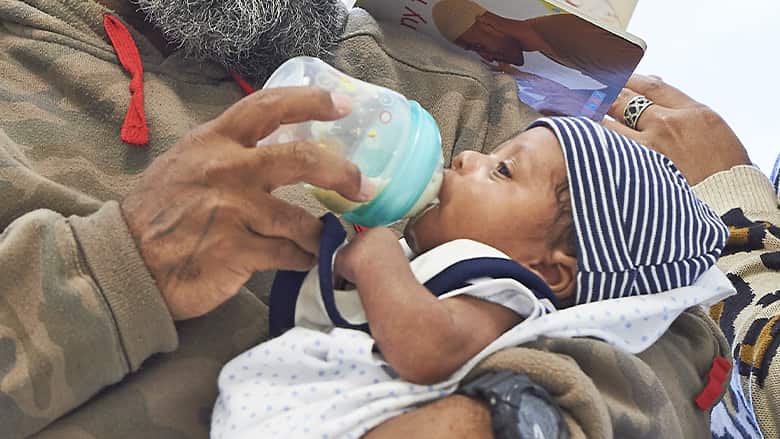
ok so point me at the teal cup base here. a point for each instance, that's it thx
(420, 159)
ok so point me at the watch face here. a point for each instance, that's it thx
(519, 409)
(537, 418)
(528, 416)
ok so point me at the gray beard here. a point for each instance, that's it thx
(249, 37)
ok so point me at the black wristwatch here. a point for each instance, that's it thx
(519, 408)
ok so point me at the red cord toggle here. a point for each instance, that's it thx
(719, 373)
(246, 87)
(134, 130)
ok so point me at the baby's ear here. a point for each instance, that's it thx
(559, 271)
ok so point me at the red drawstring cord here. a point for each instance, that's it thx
(134, 131)
(248, 89)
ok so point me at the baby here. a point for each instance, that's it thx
(562, 215)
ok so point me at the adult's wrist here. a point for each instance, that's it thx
(519, 408)
(142, 319)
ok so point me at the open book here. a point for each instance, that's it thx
(569, 57)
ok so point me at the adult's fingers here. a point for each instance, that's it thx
(291, 163)
(624, 130)
(262, 254)
(276, 219)
(659, 92)
(645, 119)
(258, 114)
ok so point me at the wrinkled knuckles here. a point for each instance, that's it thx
(218, 170)
(270, 102)
(197, 137)
(288, 254)
(305, 155)
(624, 95)
(653, 85)
(706, 115)
(279, 220)
(670, 122)
(215, 204)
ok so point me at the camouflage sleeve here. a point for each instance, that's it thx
(607, 393)
(748, 204)
(78, 309)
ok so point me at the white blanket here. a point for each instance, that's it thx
(309, 383)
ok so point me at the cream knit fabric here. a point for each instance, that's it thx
(751, 319)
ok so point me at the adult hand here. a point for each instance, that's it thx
(693, 136)
(203, 216)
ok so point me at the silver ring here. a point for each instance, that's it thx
(634, 109)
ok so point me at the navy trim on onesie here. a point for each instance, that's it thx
(333, 235)
(287, 284)
(457, 275)
(284, 295)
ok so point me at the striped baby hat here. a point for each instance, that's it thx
(640, 229)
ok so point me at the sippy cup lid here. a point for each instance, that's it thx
(417, 175)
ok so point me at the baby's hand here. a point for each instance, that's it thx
(374, 249)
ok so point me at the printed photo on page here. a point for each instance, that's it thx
(565, 63)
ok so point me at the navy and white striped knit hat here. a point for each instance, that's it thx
(640, 229)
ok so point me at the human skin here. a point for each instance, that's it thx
(504, 44)
(203, 216)
(691, 134)
(695, 137)
(585, 47)
(507, 200)
(457, 416)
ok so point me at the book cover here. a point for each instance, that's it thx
(615, 14)
(569, 57)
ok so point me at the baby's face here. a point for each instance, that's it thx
(506, 199)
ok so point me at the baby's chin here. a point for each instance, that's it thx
(417, 230)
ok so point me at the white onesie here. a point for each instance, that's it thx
(318, 380)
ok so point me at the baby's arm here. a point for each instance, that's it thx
(423, 338)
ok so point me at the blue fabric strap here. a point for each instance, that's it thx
(287, 284)
(459, 274)
(333, 235)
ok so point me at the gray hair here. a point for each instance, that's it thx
(250, 37)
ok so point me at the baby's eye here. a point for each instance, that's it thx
(503, 169)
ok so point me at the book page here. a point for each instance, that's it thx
(601, 11)
(624, 10)
(563, 64)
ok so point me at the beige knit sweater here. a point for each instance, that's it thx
(751, 319)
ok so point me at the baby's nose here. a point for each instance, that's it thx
(467, 161)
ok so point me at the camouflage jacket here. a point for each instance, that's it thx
(751, 319)
(87, 346)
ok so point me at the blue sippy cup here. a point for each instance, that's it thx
(393, 141)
